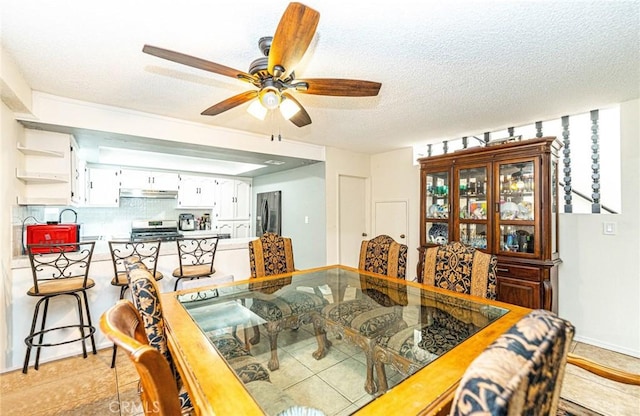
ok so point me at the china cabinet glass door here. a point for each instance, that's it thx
(437, 207)
(517, 207)
(473, 218)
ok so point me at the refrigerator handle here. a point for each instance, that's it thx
(265, 216)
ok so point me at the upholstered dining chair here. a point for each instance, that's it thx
(282, 307)
(145, 295)
(460, 268)
(123, 325)
(146, 251)
(196, 256)
(521, 372)
(372, 314)
(453, 266)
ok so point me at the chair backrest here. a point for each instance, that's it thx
(197, 251)
(521, 372)
(460, 268)
(123, 326)
(144, 292)
(383, 255)
(54, 262)
(146, 251)
(270, 254)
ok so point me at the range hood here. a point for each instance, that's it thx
(147, 193)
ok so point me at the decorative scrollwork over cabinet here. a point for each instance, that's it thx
(501, 199)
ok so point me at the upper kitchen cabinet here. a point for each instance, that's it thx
(144, 179)
(501, 199)
(47, 164)
(196, 191)
(234, 199)
(102, 186)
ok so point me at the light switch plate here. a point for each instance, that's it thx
(609, 228)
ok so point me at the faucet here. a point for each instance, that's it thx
(68, 209)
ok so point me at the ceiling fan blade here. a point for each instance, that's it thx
(292, 38)
(197, 63)
(230, 103)
(341, 87)
(301, 118)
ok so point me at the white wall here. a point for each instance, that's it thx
(395, 178)
(341, 162)
(8, 132)
(599, 279)
(303, 195)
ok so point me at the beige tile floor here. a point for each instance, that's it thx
(77, 386)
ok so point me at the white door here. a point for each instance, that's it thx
(352, 218)
(390, 218)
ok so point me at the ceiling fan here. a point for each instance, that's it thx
(273, 74)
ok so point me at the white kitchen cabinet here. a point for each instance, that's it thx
(102, 186)
(196, 191)
(236, 229)
(77, 174)
(234, 199)
(44, 166)
(144, 179)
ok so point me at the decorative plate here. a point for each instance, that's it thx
(439, 233)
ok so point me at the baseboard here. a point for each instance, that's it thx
(606, 346)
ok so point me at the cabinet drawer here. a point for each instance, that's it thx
(520, 272)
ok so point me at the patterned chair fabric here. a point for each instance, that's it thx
(442, 334)
(461, 268)
(280, 306)
(521, 372)
(144, 292)
(383, 255)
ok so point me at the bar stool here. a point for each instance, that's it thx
(196, 257)
(146, 251)
(59, 269)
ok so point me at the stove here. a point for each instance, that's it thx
(164, 230)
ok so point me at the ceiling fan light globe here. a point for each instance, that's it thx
(288, 109)
(257, 110)
(270, 98)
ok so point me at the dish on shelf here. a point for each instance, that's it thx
(439, 233)
(437, 211)
(508, 210)
(478, 210)
(525, 210)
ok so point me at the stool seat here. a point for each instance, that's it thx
(195, 271)
(61, 286)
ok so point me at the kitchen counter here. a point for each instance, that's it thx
(101, 249)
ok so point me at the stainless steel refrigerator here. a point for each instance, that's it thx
(268, 213)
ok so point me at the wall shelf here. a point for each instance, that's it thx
(41, 177)
(39, 152)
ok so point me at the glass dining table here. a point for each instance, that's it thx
(419, 355)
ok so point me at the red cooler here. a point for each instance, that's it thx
(52, 234)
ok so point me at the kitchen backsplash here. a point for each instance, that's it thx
(105, 223)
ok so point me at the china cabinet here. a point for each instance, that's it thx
(501, 199)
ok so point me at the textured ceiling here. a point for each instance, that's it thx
(447, 69)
